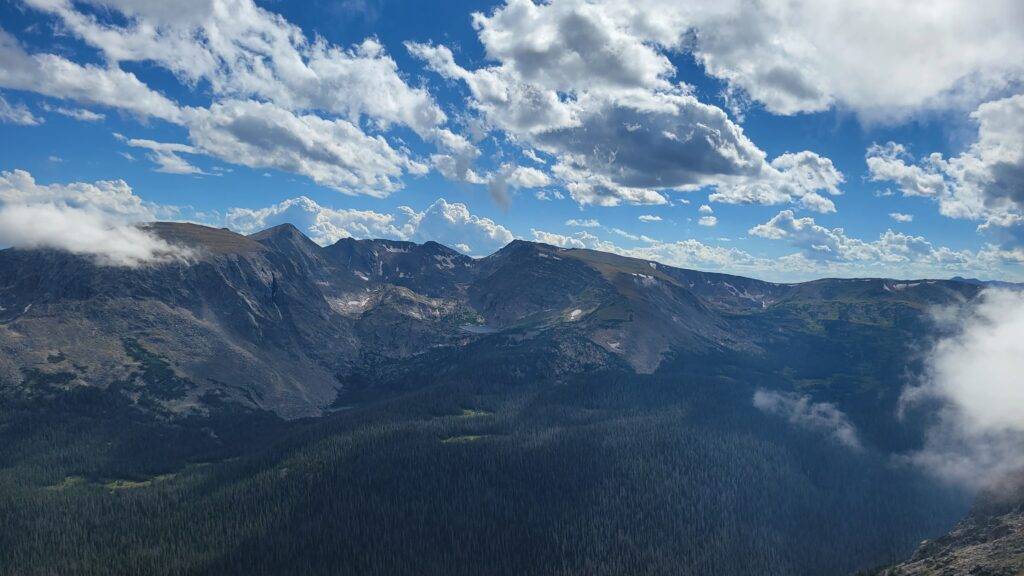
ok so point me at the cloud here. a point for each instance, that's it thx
(625, 148)
(791, 178)
(800, 410)
(17, 114)
(818, 242)
(974, 373)
(649, 218)
(577, 240)
(588, 83)
(333, 153)
(708, 221)
(901, 217)
(984, 183)
(244, 51)
(322, 224)
(83, 232)
(279, 99)
(452, 224)
(511, 177)
(166, 155)
(792, 59)
(99, 220)
(705, 209)
(80, 114)
(58, 77)
(588, 223)
(833, 250)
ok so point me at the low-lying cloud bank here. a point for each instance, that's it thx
(976, 375)
(99, 220)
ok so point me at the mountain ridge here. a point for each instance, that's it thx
(277, 294)
(606, 398)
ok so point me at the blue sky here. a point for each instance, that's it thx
(742, 134)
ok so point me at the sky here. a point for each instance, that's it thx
(777, 139)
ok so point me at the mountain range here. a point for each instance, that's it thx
(386, 407)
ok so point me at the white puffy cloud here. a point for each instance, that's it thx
(577, 240)
(649, 218)
(17, 114)
(819, 242)
(245, 51)
(791, 178)
(514, 177)
(792, 58)
(452, 224)
(974, 372)
(279, 99)
(832, 250)
(589, 83)
(113, 197)
(708, 221)
(82, 231)
(583, 223)
(58, 77)
(901, 217)
(984, 183)
(802, 411)
(334, 153)
(322, 224)
(97, 219)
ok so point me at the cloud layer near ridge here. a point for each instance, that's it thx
(97, 219)
(976, 374)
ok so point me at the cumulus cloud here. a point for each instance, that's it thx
(589, 83)
(279, 99)
(901, 217)
(245, 51)
(452, 224)
(819, 242)
(832, 249)
(588, 223)
(322, 224)
(802, 411)
(97, 219)
(334, 153)
(793, 59)
(708, 221)
(85, 232)
(511, 177)
(649, 218)
(974, 373)
(984, 183)
(58, 77)
(791, 178)
(17, 114)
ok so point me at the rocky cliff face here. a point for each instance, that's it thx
(989, 542)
